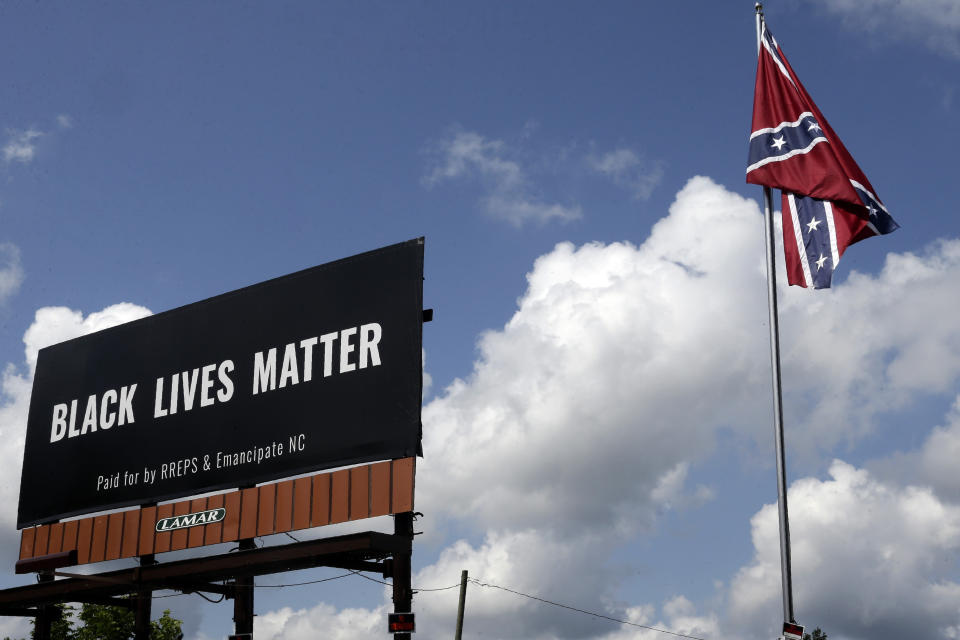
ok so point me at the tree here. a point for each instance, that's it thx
(100, 622)
(816, 635)
(166, 627)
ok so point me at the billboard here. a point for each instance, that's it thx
(313, 370)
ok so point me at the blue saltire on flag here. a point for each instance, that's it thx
(828, 203)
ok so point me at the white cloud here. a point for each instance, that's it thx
(11, 271)
(936, 23)
(937, 459)
(56, 324)
(465, 154)
(871, 344)
(586, 413)
(525, 563)
(21, 145)
(321, 621)
(871, 560)
(628, 170)
(50, 326)
(629, 356)
(933, 464)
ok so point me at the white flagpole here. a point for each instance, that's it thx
(785, 566)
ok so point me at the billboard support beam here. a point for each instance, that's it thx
(402, 591)
(243, 597)
(141, 627)
(196, 573)
(45, 612)
(370, 551)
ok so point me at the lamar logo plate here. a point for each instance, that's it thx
(191, 520)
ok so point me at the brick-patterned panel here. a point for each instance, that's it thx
(377, 489)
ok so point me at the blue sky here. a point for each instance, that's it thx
(597, 426)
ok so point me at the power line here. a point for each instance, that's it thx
(589, 613)
(454, 586)
(414, 589)
(300, 584)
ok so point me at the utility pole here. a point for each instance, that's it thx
(463, 601)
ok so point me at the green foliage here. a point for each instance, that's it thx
(62, 626)
(167, 627)
(816, 635)
(100, 622)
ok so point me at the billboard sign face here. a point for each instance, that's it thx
(314, 370)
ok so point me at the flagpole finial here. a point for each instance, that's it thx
(759, 8)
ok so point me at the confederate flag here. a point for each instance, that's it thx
(828, 203)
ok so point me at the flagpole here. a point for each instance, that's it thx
(785, 565)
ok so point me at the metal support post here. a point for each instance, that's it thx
(141, 627)
(402, 591)
(786, 573)
(144, 601)
(243, 598)
(45, 612)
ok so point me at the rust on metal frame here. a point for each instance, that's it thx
(377, 489)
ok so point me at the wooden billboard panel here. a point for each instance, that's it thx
(84, 533)
(43, 537)
(340, 496)
(114, 535)
(320, 511)
(178, 538)
(56, 538)
(213, 533)
(284, 507)
(231, 522)
(266, 511)
(301, 503)
(131, 534)
(382, 488)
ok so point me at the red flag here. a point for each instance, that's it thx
(828, 202)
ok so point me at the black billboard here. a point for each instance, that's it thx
(317, 369)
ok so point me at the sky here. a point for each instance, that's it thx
(597, 413)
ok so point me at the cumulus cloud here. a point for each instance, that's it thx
(933, 463)
(585, 414)
(542, 568)
(509, 189)
(11, 271)
(21, 145)
(871, 344)
(50, 326)
(871, 560)
(627, 169)
(618, 354)
(303, 624)
(936, 23)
